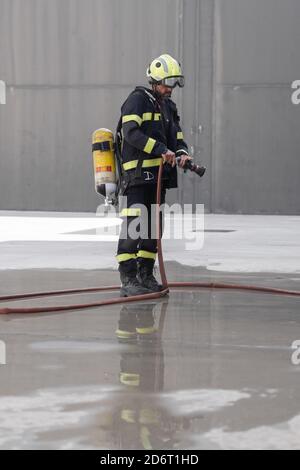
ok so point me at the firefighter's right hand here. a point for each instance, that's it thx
(169, 157)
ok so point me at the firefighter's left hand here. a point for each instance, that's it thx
(183, 160)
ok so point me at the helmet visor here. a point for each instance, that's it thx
(173, 81)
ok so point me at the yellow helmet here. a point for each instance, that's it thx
(166, 70)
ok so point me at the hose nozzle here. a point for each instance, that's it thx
(189, 165)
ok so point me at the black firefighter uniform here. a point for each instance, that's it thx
(149, 127)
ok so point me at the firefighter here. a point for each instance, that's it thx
(150, 130)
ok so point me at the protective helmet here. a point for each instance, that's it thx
(165, 70)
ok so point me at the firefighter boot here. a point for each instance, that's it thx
(145, 275)
(130, 284)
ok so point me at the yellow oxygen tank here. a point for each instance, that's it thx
(104, 164)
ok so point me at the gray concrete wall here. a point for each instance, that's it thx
(256, 164)
(69, 64)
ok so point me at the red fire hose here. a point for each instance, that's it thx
(121, 300)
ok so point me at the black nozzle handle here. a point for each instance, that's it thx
(189, 165)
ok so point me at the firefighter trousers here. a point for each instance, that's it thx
(138, 239)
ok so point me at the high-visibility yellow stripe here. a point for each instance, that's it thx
(131, 212)
(130, 165)
(147, 117)
(144, 436)
(152, 162)
(122, 334)
(146, 163)
(149, 145)
(128, 416)
(146, 254)
(130, 379)
(146, 331)
(125, 257)
(140, 120)
(179, 135)
(132, 117)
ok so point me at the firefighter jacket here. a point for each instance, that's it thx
(150, 127)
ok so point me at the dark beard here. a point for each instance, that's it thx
(160, 97)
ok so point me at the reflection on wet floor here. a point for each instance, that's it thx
(146, 416)
(196, 370)
(138, 422)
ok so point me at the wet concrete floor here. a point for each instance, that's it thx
(200, 369)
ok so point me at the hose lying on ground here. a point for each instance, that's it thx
(120, 300)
